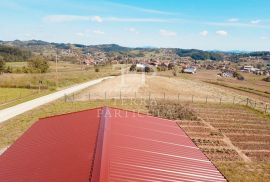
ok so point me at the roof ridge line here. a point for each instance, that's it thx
(98, 152)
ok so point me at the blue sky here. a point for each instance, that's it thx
(201, 24)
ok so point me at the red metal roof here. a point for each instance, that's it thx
(118, 146)
(54, 149)
(142, 148)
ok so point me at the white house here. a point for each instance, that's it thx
(190, 70)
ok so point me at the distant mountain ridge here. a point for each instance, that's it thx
(40, 46)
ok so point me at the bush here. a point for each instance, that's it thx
(162, 68)
(172, 110)
(175, 71)
(38, 64)
(97, 70)
(132, 67)
(238, 76)
(2, 65)
(267, 79)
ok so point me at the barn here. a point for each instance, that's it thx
(106, 144)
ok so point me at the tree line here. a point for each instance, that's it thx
(35, 63)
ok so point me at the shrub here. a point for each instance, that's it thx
(267, 79)
(238, 76)
(172, 110)
(162, 68)
(97, 70)
(2, 65)
(175, 71)
(38, 64)
(132, 67)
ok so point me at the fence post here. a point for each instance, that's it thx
(220, 100)
(73, 97)
(65, 97)
(206, 99)
(149, 96)
(247, 102)
(120, 96)
(178, 97)
(233, 99)
(265, 108)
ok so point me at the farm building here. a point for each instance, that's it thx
(106, 144)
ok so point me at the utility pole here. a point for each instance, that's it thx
(56, 68)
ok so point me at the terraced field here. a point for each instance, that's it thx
(235, 138)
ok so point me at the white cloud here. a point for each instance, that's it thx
(221, 33)
(80, 34)
(204, 33)
(141, 20)
(96, 19)
(98, 32)
(70, 18)
(132, 30)
(233, 20)
(145, 10)
(263, 38)
(255, 21)
(167, 33)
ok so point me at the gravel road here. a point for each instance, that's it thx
(11, 112)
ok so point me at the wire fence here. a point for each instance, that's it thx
(7, 99)
(149, 96)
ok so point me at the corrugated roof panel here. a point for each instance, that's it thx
(117, 145)
(57, 148)
(144, 148)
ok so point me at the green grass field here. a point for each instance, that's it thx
(68, 74)
(10, 94)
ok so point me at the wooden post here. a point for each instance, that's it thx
(73, 97)
(220, 100)
(206, 99)
(247, 102)
(265, 108)
(65, 98)
(233, 99)
(149, 96)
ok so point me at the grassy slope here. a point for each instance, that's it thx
(69, 74)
